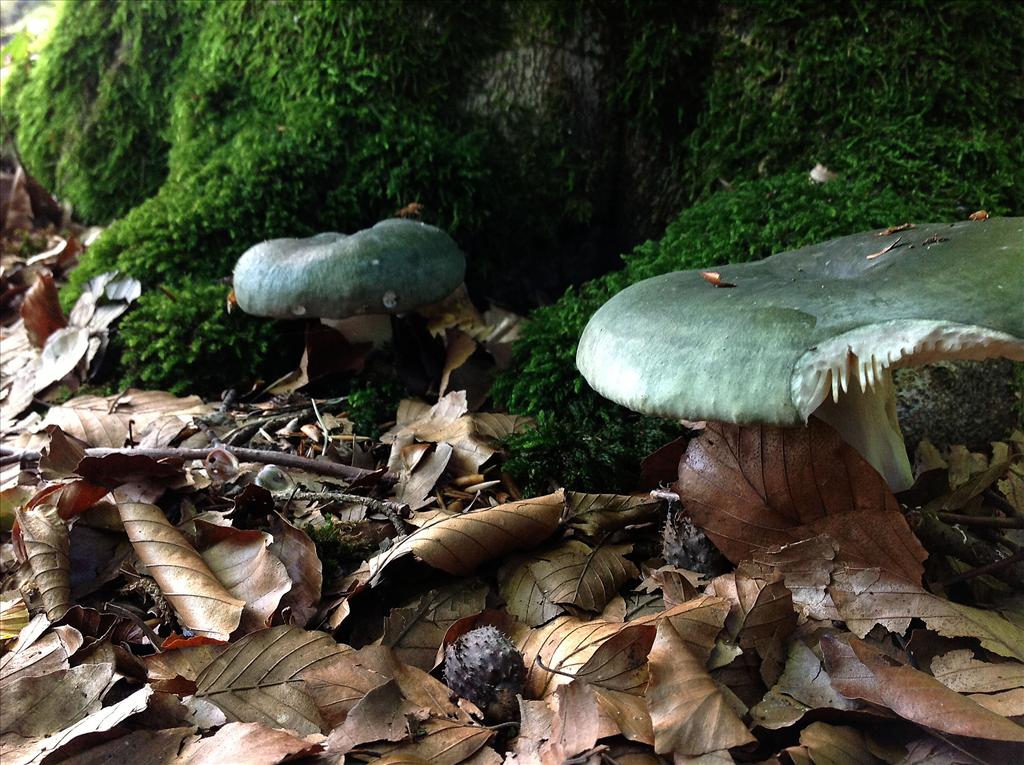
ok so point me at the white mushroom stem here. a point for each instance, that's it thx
(372, 328)
(865, 417)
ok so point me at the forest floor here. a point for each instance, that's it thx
(254, 580)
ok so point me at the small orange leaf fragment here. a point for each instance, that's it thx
(979, 215)
(715, 278)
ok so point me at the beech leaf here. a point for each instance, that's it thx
(859, 671)
(458, 544)
(582, 576)
(48, 547)
(200, 600)
(259, 678)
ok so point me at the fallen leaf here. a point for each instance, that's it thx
(258, 678)
(37, 655)
(715, 278)
(689, 713)
(441, 742)
(594, 514)
(960, 671)
(752, 488)
(582, 576)
(36, 707)
(859, 671)
(251, 743)
(978, 215)
(41, 310)
(458, 544)
(199, 599)
(298, 554)
(575, 724)
(48, 548)
(64, 350)
(244, 564)
(416, 631)
(821, 174)
(824, 743)
(524, 597)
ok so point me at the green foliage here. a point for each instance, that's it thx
(188, 342)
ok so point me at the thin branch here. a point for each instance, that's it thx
(990, 568)
(393, 510)
(988, 521)
(261, 456)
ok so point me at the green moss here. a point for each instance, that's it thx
(92, 120)
(184, 340)
(338, 545)
(372, 403)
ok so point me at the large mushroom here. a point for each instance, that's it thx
(814, 331)
(394, 267)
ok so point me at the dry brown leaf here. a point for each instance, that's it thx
(180, 663)
(804, 685)
(35, 707)
(458, 544)
(417, 481)
(564, 644)
(298, 554)
(103, 421)
(35, 654)
(48, 548)
(689, 713)
(575, 724)
(859, 671)
(594, 514)
(244, 564)
(200, 600)
(582, 576)
(762, 607)
(415, 632)
(754, 488)
(441, 742)
(339, 684)
(154, 747)
(961, 672)
(697, 622)
(258, 678)
(380, 715)
(676, 586)
(458, 348)
(251, 743)
(620, 663)
(41, 310)
(822, 743)
(523, 596)
(17, 750)
(13, 616)
(416, 685)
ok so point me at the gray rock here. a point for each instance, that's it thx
(966, 402)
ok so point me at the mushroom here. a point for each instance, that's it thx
(814, 331)
(394, 267)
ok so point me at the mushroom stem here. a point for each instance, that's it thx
(372, 328)
(866, 420)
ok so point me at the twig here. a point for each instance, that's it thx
(552, 670)
(665, 495)
(263, 457)
(393, 510)
(988, 521)
(990, 568)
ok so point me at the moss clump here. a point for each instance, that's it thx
(184, 340)
(92, 119)
(372, 403)
(339, 545)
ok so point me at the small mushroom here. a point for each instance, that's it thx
(394, 267)
(814, 331)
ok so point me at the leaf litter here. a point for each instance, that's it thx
(255, 582)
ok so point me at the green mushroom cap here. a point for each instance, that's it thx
(394, 267)
(814, 330)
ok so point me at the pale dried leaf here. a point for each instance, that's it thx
(417, 482)
(441, 742)
(415, 632)
(458, 348)
(859, 671)
(575, 725)
(594, 514)
(620, 663)
(564, 644)
(524, 597)
(337, 685)
(298, 554)
(251, 743)
(200, 600)
(459, 544)
(36, 655)
(689, 712)
(381, 715)
(960, 671)
(697, 622)
(64, 350)
(822, 744)
(244, 564)
(15, 750)
(35, 707)
(103, 421)
(48, 548)
(804, 685)
(582, 576)
(259, 678)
